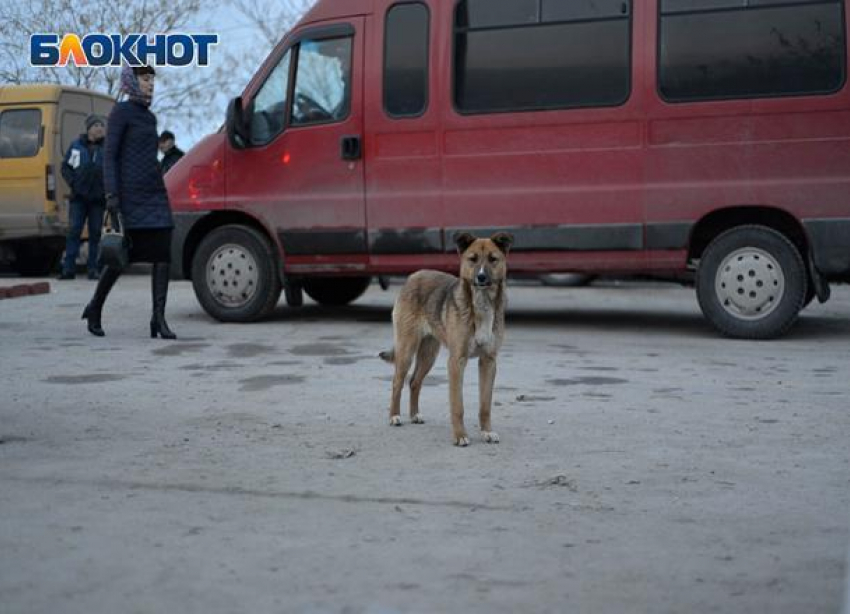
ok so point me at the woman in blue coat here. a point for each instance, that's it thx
(134, 187)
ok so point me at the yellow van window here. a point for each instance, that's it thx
(20, 130)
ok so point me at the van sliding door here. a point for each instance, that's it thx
(403, 177)
(543, 133)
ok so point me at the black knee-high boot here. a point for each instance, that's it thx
(108, 277)
(159, 292)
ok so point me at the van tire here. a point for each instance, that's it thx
(336, 291)
(226, 291)
(567, 280)
(751, 283)
(36, 259)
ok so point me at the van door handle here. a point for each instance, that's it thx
(352, 148)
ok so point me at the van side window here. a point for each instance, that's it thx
(20, 133)
(269, 105)
(525, 55)
(322, 81)
(710, 49)
(406, 60)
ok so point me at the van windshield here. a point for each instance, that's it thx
(19, 133)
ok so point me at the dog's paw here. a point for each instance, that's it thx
(395, 421)
(416, 419)
(490, 437)
(462, 441)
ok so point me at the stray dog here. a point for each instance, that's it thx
(467, 315)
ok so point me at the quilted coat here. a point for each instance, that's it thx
(131, 169)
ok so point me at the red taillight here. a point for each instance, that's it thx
(50, 183)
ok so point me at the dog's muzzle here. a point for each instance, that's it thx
(482, 279)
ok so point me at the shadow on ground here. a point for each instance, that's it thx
(809, 326)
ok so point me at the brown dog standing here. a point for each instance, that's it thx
(467, 315)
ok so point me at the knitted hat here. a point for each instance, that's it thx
(93, 119)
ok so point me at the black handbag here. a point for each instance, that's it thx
(114, 245)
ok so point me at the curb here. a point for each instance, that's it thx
(24, 290)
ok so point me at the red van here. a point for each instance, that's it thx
(686, 139)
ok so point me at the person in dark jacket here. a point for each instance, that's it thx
(136, 191)
(82, 169)
(170, 152)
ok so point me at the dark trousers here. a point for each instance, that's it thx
(77, 216)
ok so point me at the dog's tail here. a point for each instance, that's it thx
(388, 356)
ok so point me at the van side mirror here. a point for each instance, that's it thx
(238, 129)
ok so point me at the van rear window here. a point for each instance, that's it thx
(517, 55)
(73, 125)
(720, 49)
(20, 133)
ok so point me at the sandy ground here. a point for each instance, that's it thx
(646, 464)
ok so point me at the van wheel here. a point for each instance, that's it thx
(35, 259)
(234, 273)
(336, 291)
(567, 280)
(751, 283)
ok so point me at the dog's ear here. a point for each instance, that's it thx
(503, 241)
(463, 240)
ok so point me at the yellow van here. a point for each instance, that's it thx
(38, 123)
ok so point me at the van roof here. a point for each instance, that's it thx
(17, 94)
(330, 9)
